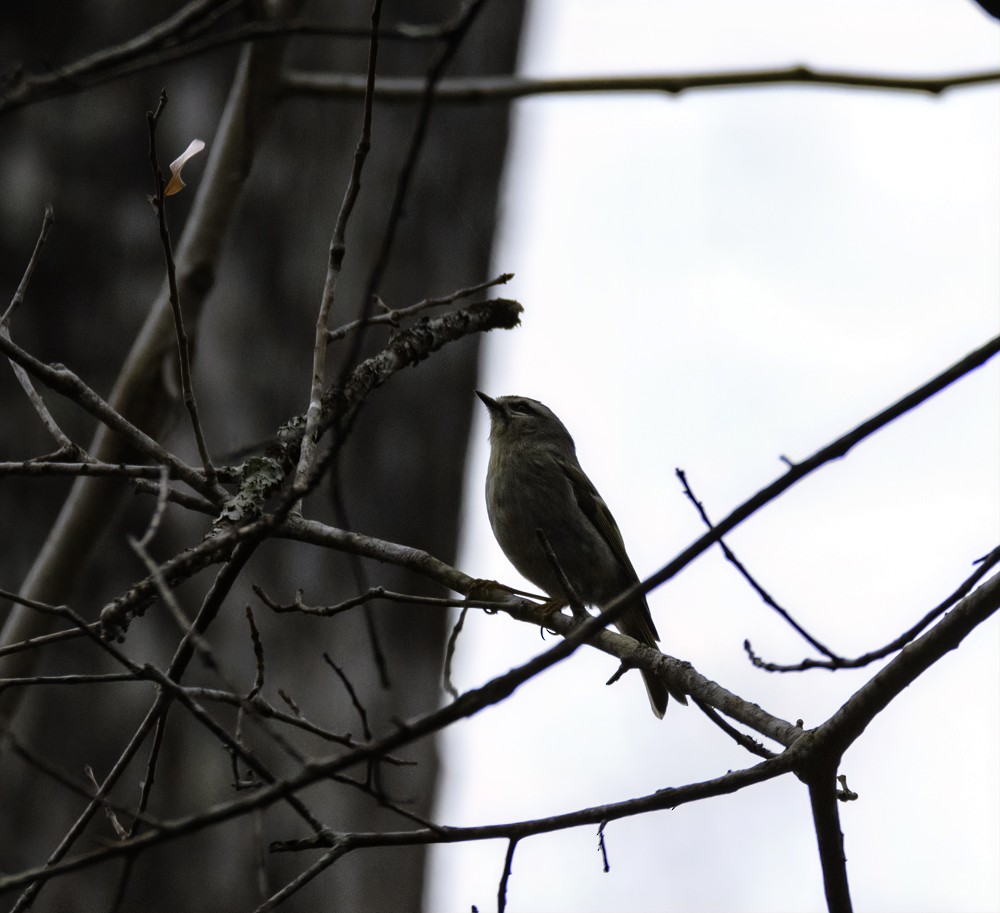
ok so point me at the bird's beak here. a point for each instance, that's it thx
(498, 412)
(490, 403)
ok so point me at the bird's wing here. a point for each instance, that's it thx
(637, 622)
(593, 506)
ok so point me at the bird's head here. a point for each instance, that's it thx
(520, 419)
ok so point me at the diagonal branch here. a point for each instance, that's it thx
(64, 381)
(66, 446)
(798, 471)
(735, 562)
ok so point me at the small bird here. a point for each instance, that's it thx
(534, 484)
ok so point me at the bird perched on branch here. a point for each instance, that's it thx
(553, 525)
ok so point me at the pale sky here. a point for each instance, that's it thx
(711, 282)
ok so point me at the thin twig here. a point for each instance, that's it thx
(121, 832)
(50, 466)
(180, 498)
(375, 592)
(392, 316)
(452, 37)
(70, 679)
(262, 708)
(338, 248)
(183, 343)
(661, 799)
(48, 220)
(503, 89)
(161, 505)
(508, 863)
(51, 425)
(258, 652)
(735, 562)
(42, 640)
(449, 653)
(8, 739)
(986, 564)
(340, 848)
(741, 738)
(451, 41)
(346, 682)
(177, 39)
(575, 605)
(64, 381)
(113, 61)
(603, 847)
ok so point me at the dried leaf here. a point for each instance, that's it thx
(175, 184)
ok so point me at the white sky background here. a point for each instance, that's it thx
(710, 282)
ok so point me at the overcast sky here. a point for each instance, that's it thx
(711, 282)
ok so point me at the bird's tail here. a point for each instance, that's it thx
(638, 623)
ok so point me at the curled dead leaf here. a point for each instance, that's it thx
(175, 184)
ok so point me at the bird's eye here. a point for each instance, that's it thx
(523, 408)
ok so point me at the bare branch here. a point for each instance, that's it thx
(140, 392)
(741, 738)
(502, 89)
(48, 220)
(355, 702)
(114, 61)
(508, 863)
(373, 593)
(810, 749)
(452, 39)
(847, 724)
(64, 381)
(173, 296)
(340, 848)
(449, 654)
(45, 467)
(735, 562)
(661, 799)
(265, 476)
(181, 37)
(986, 564)
(826, 819)
(798, 471)
(66, 446)
(338, 248)
(392, 316)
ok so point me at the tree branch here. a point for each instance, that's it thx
(829, 837)
(502, 89)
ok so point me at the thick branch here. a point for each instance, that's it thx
(830, 838)
(847, 724)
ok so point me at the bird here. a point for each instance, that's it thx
(536, 490)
